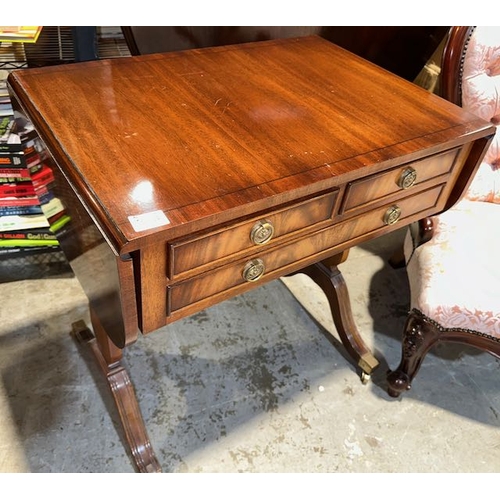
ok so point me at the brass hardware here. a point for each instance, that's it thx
(262, 232)
(407, 178)
(368, 362)
(392, 215)
(254, 270)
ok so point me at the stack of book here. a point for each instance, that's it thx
(30, 214)
(5, 104)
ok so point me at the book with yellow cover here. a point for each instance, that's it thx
(25, 34)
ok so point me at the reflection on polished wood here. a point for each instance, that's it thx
(168, 162)
(403, 50)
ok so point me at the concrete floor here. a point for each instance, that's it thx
(254, 384)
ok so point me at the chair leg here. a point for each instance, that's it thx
(419, 336)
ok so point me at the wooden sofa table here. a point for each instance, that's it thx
(194, 176)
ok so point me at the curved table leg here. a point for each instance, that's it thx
(327, 275)
(123, 394)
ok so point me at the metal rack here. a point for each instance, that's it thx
(65, 44)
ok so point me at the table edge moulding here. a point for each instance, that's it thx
(194, 176)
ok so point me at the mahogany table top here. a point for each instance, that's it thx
(199, 133)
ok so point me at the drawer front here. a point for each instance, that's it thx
(235, 278)
(398, 179)
(207, 249)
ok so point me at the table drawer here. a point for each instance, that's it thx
(410, 175)
(234, 278)
(206, 249)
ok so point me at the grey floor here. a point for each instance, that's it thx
(254, 384)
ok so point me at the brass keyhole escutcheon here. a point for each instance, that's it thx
(254, 270)
(392, 215)
(261, 232)
(407, 178)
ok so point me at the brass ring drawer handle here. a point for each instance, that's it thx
(392, 215)
(407, 178)
(254, 270)
(261, 232)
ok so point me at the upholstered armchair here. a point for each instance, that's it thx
(451, 260)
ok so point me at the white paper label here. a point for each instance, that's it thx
(149, 220)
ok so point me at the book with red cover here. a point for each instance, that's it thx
(42, 177)
(15, 173)
(17, 189)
